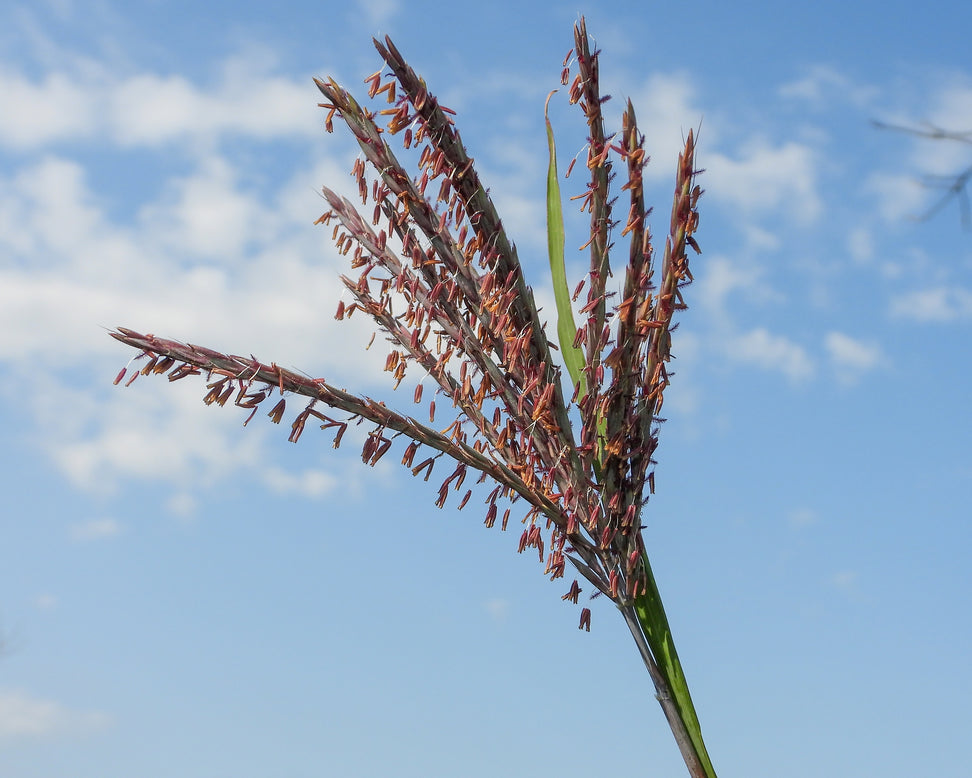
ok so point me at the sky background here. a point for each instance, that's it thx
(183, 596)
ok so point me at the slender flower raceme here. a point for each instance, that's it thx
(431, 263)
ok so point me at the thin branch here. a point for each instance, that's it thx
(955, 186)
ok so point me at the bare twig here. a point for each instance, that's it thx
(955, 186)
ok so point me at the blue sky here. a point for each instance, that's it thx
(183, 596)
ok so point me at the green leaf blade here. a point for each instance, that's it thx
(566, 329)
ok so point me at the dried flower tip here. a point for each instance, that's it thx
(409, 454)
(342, 427)
(297, 428)
(150, 366)
(491, 515)
(426, 465)
(163, 365)
(524, 539)
(585, 620)
(573, 593)
(278, 411)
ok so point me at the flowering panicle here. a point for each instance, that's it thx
(431, 263)
(436, 270)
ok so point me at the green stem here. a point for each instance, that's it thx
(648, 623)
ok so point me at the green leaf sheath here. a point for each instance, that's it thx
(651, 614)
(566, 329)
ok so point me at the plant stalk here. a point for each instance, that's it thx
(663, 693)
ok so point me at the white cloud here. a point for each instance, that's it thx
(203, 260)
(952, 106)
(720, 278)
(526, 219)
(726, 286)
(308, 483)
(664, 107)
(148, 109)
(950, 110)
(811, 87)
(158, 432)
(22, 715)
(860, 244)
(206, 213)
(851, 357)
(379, 11)
(845, 580)
(161, 432)
(45, 601)
(759, 240)
(723, 281)
(95, 529)
(766, 179)
(932, 163)
(182, 504)
(823, 84)
(937, 304)
(67, 265)
(686, 397)
(38, 113)
(761, 348)
(899, 197)
(802, 517)
(497, 608)
(46, 207)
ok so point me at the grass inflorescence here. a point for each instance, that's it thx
(430, 261)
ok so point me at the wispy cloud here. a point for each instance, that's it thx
(723, 282)
(844, 580)
(22, 715)
(950, 109)
(160, 433)
(898, 196)
(37, 113)
(148, 109)
(723, 286)
(802, 517)
(923, 172)
(936, 304)
(308, 483)
(764, 179)
(45, 601)
(95, 529)
(765, 350)
(850, 357)
(665, 102)
(497, 608)
(380, 11)
(823, 85)
(860, 245)
(202, 258)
